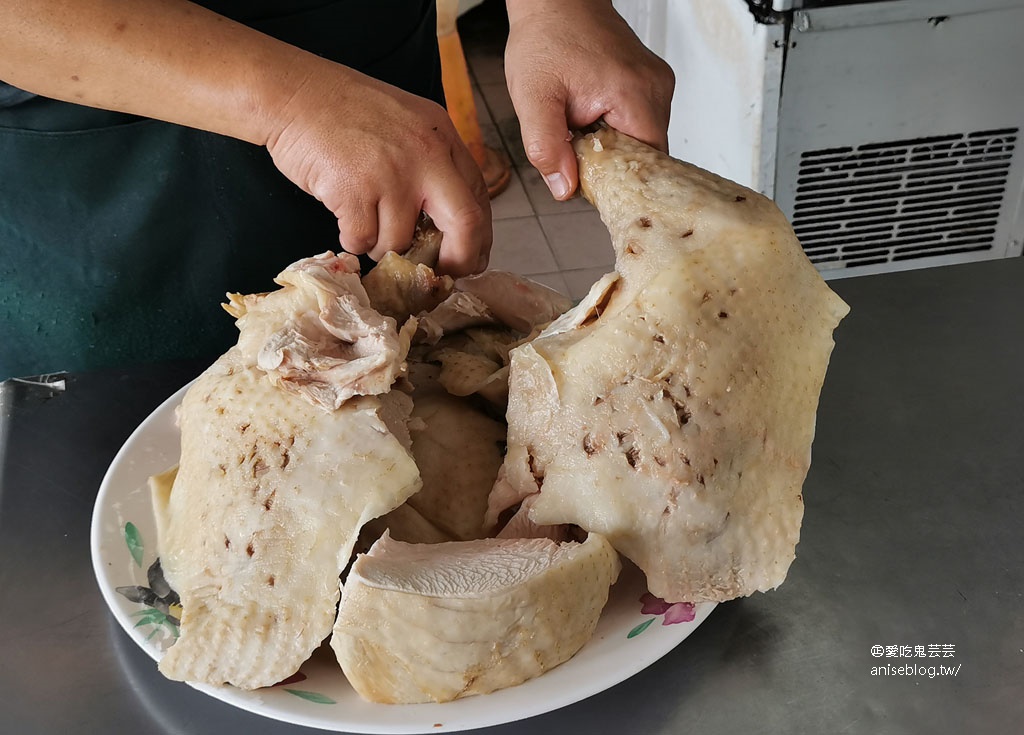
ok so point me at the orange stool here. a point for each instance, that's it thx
(459, 96)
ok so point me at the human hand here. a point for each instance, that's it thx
(376, 156)
(568, 64)
(373, 154)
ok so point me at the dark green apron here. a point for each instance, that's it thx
(119, 236)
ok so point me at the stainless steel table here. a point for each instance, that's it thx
(912, 544)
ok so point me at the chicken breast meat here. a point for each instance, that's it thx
(673, 409)
(467, 617)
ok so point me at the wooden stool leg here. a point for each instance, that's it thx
(459, 96)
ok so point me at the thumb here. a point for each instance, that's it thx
(546, 139)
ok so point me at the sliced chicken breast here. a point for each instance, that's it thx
(435, 622)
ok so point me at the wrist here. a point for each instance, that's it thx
(272, 95)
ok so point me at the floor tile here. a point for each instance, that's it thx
(579, 281)
(540, 196)
(485, 68)
(499, 104)
(512, 202)
(578, 240)
(512, 137)
(520, 247)
(490, 134)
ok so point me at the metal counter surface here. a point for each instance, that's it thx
(912, 537)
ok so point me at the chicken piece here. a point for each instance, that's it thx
(458, 450)
(272, 488)
(516, 301)
(404, 523)
(467, 617)
(396, 412)
(270, 496)
(464, 373)
(160, 496)
(426, 243)
(494, 298)
(473, 361)
(459, 311)
(405, 285)
(673, 409)
(318, 336)
(399, 288)
(521, 526)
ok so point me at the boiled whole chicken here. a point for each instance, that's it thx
(668, 417)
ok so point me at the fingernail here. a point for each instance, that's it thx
(558, 185)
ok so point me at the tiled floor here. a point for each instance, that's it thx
(561, 244)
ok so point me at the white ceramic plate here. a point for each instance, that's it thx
(123, 541)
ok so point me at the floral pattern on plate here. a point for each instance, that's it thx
(162, 608)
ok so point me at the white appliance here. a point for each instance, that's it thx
(887, 130)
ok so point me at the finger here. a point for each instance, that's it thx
(546, 139)
(357, 226)
(453, 202)
(470, 172)
(647, 126)
(645, 115)
(396, 218)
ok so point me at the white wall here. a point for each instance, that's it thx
(728, 70)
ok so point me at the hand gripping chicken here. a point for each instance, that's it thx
(673, 409)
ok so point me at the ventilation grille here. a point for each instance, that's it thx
(900, 200)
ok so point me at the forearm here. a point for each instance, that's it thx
(373, 154)
(166, 59)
